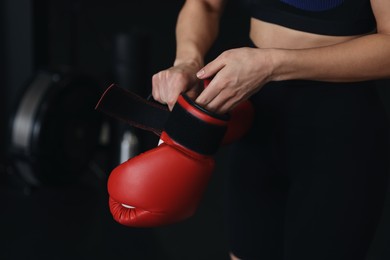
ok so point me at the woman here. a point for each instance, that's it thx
(309, 180)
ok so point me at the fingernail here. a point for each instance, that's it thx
(200, 73)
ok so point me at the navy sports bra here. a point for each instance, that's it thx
(328, 17)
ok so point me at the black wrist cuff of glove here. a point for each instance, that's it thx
(196, 128)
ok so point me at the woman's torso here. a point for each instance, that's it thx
(267, 35)
(297, 24)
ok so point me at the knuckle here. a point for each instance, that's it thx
(226, 53)
(181, 77)
(155, 77)
(154, 92)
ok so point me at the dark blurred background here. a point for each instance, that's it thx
(56, 58)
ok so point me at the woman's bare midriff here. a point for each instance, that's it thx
(267, 35)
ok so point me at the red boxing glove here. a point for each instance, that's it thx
(164, 185)
(241, 119)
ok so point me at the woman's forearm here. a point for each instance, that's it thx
(363, 58)
(197, 28)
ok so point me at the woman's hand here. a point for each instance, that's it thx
(170, 83)
(236, 75)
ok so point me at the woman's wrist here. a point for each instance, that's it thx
(278, 60)
(197, 63)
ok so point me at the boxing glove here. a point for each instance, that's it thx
(132, 109)
(165, 184)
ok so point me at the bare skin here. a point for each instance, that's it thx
(267, 35)
(282, 54)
